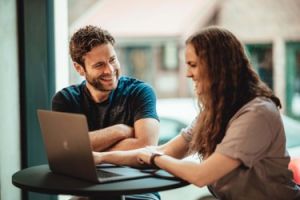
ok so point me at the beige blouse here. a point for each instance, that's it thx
(255, 135)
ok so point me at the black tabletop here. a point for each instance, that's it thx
(41, 179)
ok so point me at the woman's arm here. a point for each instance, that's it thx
(128, 158)
(176, 147)
(199, 174)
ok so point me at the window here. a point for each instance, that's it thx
(293, 79)
(137, 62)
(262, 59)
(170, 56)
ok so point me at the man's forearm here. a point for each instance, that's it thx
(105, 138)
(145, 134)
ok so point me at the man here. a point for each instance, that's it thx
(121, 111)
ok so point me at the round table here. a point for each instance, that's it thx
(41, 179)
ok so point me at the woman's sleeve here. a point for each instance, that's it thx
(187, 132)
(249, 136)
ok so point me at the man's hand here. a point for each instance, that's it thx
(145, 134)
(99, 157)
(105, 138)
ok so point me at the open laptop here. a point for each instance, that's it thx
(69, 150)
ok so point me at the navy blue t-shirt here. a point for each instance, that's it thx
(130, 101)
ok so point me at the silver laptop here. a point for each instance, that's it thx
(69, 150)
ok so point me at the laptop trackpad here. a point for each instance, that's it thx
(119, 173)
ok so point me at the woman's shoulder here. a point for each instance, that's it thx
(261, 108)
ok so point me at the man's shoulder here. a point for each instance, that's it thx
(129, 84)
(69, 99)
(72, 91)
(129, 81)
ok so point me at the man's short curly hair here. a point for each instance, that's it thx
(87, 38)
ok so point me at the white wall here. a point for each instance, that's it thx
(61, 51)
(61, 44)
(9, 101)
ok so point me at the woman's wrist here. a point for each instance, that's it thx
(152, 158)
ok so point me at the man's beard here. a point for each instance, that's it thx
(97, 84)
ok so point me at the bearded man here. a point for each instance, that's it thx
(120, 110)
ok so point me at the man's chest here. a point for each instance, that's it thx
(103, 116)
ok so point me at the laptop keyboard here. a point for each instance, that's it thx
(105, 174)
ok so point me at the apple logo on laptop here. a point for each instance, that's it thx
(66, 145)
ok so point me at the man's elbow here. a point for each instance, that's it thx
(124, 131)
(151, 142)
(141, 143)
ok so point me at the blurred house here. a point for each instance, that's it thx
(271, 31)
(150, 39)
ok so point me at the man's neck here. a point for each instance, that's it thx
(97, 96)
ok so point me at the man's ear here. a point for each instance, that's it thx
(79, 69)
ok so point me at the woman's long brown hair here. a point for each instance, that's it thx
(232, 83)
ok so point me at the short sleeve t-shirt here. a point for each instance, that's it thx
(255, 135)
(130, 101)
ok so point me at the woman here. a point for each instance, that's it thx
(238, 134)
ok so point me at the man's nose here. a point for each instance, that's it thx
(109, 68)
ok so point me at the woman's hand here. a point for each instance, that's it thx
(126, 158)
(144, 155)
(99, 157)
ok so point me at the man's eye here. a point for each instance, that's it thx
(98, 65)
(112, 60)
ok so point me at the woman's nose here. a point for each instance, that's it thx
(188, 74)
